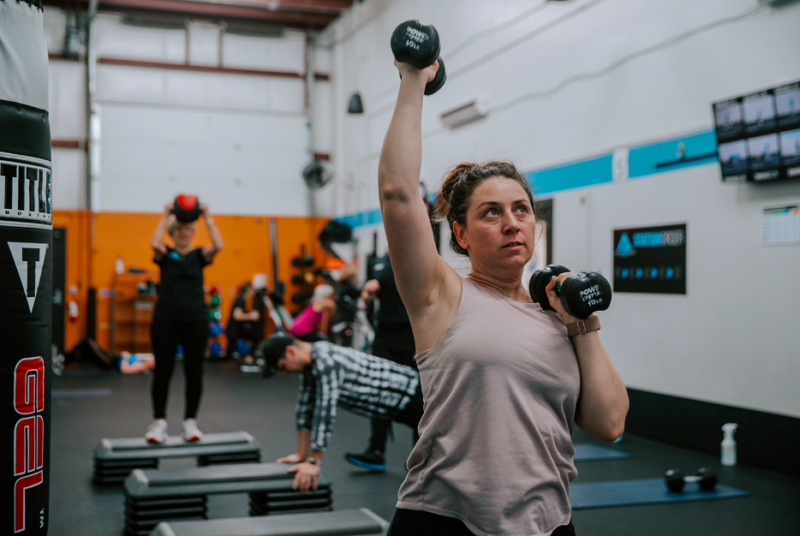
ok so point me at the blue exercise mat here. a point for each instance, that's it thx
(635, 492)
(589, 452)
(80, 393)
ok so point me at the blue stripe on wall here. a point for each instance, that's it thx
(698, 149)
(360, 219)
(576, 175)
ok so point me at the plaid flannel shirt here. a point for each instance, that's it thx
(358, 382)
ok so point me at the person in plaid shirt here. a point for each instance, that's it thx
(333, 376)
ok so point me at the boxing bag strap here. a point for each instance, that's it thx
(582, 327)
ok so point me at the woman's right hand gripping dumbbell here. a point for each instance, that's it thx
(416, 48)
(421, 76)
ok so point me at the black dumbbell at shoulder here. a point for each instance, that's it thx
(418, 44)
(581, 294)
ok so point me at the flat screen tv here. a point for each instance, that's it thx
(758, 135)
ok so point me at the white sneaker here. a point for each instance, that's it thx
(157, 432)
(190, 431)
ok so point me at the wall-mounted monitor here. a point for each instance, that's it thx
(728, 116)
(759, 113)
(787, 102)
(758, 135)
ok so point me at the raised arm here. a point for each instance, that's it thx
(157, 240)
(419, 270)
(213, 232)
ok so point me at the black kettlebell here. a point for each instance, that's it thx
(186, 208)
(706, 478)
(581, 294)
(418, 44)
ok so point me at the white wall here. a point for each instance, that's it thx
(67, 94)
(732, 338)
(170, 130)
(242, 163)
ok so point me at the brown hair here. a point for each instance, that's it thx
(247, 285)
(454, 197)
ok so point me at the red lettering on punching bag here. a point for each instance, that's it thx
(28, 445)
(28, 432)
(29, 386)
(26, 482)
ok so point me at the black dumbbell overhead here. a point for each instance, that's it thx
(706, 478)
(418, 44)
(581, 294)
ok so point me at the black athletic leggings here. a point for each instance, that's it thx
(417, 523)
(394, 342)
(166, 335)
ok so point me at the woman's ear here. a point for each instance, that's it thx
(460, 232)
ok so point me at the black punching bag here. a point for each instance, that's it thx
(25, 276)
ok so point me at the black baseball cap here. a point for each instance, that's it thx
(272, 350)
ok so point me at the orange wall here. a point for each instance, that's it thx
(76, 223)
(247, 251)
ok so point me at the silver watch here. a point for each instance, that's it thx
(312, 460)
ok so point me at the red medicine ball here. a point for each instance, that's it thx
(186, 208)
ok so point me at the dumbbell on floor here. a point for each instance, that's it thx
(706, 478)
(418, 44)
(581, 294)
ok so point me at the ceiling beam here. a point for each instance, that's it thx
(311, 6)
(252, 11)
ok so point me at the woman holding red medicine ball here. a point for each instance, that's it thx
(502, 382)
(180, 317)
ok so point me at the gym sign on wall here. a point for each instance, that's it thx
(650, 260)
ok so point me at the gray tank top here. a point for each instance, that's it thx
(500, 389)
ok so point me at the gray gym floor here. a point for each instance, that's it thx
(265, 408)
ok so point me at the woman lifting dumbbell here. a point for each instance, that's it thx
(503, 382)
(181, 314)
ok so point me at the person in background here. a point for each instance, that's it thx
(394, 341)
(334, 377)
(304, 326)
(180, 317)
(347, 295)
(136, 363)
(238, 328)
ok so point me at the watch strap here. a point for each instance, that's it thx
(582, 327)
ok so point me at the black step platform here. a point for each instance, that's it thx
(114, 459)
(152, 496)
(341, 523)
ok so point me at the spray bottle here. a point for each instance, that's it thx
(728, 444)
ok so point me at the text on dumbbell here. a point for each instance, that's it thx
(416, 35)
